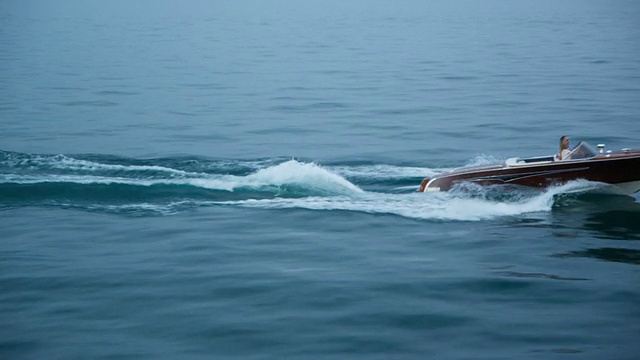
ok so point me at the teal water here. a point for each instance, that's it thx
(237, 180)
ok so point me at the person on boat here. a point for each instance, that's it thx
(564, 148)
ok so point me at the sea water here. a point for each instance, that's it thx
(207, 180)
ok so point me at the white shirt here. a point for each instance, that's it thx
(563, 154)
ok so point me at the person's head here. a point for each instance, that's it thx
(564, 142)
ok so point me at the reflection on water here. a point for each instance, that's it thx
(615, 224)
(629, 256)
(607, 216)
(537, 275)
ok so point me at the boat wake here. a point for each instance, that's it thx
(167, 186)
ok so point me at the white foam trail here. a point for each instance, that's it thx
(386, 171)
(74, 164)
(578, 186)
(305, 175)
(425, 206)
(141, 208)
(225, 182)
(64, 162)
(418, 206)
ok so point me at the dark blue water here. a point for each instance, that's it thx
(237, 180)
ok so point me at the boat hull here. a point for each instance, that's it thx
(621, 169)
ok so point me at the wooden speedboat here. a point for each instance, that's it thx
(618, 168)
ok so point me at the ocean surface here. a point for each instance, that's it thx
(237, 180)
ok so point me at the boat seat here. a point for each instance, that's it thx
(516, 161)
(513, 161)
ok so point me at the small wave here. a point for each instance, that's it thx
(578, 187)
(302, 174)
(482, 160)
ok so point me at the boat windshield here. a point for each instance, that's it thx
(582, 151)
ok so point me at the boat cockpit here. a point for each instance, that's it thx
(580, 152)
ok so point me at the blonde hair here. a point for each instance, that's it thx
(562, 138)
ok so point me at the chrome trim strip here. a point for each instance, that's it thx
(512, 177)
